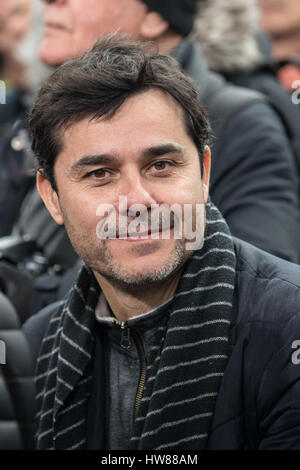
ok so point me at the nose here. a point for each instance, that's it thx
(136, 192)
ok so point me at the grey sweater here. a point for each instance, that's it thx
(124, 362)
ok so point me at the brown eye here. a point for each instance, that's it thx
(161, 165)
(99, 173)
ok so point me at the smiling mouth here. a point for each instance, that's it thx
(140, 236)
(137, 236)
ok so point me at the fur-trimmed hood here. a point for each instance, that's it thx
(226, 32)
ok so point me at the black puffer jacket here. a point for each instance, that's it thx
(17, 402)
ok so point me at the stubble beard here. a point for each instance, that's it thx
(127, 280)
(103, 262)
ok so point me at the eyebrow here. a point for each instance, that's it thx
(106, 159)
(93, 160)
(157, 151)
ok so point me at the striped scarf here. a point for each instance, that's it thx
(183, 377)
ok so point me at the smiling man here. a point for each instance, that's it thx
(156, 346)
(153, 155)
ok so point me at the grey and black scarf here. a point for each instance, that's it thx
(183, 377)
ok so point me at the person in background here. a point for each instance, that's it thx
(280, 19)
(230, 39)
(20, 36)
(14, 25)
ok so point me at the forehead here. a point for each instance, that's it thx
(147, 119)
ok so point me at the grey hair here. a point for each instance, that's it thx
(226, 32)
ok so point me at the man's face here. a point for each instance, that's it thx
(72, 26)
(280, 17)
(143, 153)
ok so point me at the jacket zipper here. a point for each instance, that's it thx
(125, 336)
(126, 344)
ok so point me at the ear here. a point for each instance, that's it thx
(206, 172)
(153, 26)
(50, 198)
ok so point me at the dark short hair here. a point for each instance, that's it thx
(97, 83)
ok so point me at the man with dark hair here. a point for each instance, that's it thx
(162, 343)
